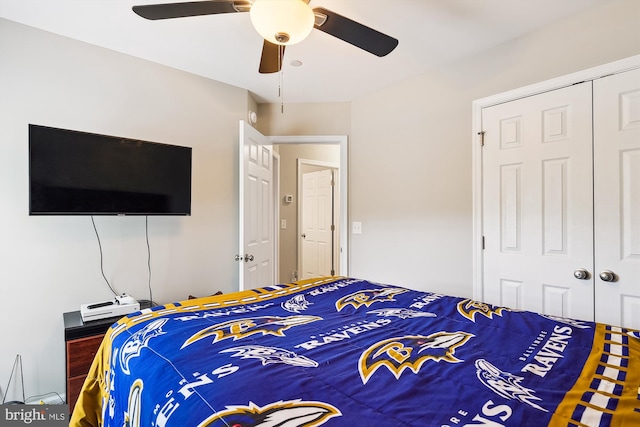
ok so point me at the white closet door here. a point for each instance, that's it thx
(617, 198)
(538, 202)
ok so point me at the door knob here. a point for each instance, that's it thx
(304, 235)
(581, 273)
(608, 276)
(248, 258)
(238, 257)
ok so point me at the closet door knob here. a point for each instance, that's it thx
(581, 273)
(608, 276)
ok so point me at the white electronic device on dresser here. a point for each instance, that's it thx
(121, 305)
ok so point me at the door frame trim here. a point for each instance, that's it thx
(342, 141)
(478, 105)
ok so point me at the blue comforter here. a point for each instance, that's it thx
(349, 352)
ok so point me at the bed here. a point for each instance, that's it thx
(350, 352)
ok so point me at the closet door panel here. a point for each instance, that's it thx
(617, 198)
(537, 202)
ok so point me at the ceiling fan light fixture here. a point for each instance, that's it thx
(282, 22)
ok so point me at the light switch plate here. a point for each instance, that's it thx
(356, 227)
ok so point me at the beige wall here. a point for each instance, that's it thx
(51, 265)
(305, 119)
(410, 148)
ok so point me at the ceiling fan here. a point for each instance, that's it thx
(280, 23)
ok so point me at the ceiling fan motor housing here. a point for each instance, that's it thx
(282, 22)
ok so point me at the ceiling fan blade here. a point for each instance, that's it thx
(192, 8)
(353, 32)
(272, 56)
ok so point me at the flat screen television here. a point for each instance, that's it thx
(80, 173)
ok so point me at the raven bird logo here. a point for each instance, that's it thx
(410, 352)
(505, 384)
(368, 297)
(269, 355)
(294, 413)
(468, 308)
(296, 304)
(136, 342)
(242, 328)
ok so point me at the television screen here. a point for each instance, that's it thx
(79, 173)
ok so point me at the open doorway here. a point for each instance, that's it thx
(330, 150)
(260, 200)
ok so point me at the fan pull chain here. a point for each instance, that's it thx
(281, 78)
(281, 95)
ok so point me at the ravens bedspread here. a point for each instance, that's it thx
(349, 352)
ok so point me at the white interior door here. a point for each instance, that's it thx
(537, 202)
(257, 248)
(317, 224)
(617, 198)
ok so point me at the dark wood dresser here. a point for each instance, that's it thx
(82, 340)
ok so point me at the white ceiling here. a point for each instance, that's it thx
(227, 48)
